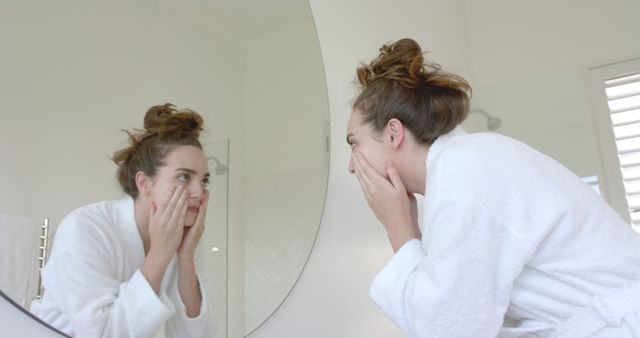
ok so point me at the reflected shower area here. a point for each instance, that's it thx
(214, 242)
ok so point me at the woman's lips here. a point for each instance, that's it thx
(193, 209)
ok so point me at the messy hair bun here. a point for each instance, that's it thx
(402, 61)
(166, 119)
(398, 83)
(165, 127)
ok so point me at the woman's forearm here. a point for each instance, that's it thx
(153, 269)
(189, 286)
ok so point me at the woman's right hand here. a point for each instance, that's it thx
(389, 200)
(166, 222)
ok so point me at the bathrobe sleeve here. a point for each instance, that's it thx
(95, 302)
(180, 325)
(461, 286)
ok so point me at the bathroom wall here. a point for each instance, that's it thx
(510, 40)
(548, 111)
(529, 61)
(331, 298)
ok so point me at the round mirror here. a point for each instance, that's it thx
(75, 73)
(282, 164)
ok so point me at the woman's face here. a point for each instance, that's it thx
(367, 142)
(186, 166)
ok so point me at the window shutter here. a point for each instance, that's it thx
(623, 98)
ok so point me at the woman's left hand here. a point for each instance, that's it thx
(191, 235)
(389, 200)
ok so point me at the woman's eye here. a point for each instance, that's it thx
(183, 178)
(205, 182)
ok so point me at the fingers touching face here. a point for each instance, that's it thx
(370, 144)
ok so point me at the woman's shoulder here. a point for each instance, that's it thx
(492, 164)
(92, 211)
(477, 153)
(88, 222)
(478, 146)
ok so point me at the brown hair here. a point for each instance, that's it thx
(400, 84)
(165, 127)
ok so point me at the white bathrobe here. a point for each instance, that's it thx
(94, 286)
(508, 232)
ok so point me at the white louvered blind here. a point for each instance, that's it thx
(623, 96)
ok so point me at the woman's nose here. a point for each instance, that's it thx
(196, 191)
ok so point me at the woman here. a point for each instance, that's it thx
(125, 268)
(507, 232)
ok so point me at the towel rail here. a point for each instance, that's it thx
(42, 257)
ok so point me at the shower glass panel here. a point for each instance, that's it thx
(214, 240)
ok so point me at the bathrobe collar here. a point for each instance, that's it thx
(127, 222)
(435, 150)
(439, 144)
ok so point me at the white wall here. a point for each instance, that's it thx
(515, 39)
(528, 64)
(548, 111)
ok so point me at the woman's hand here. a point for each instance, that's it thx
(388, 199)
(188, 284)
(166, 223)
(192, 235)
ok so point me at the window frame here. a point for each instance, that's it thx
(609, 170)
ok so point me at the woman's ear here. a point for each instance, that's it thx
(394, 132)
(143, 183)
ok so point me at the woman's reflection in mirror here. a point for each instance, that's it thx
(128, 267)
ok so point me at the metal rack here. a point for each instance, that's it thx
(42, 257)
